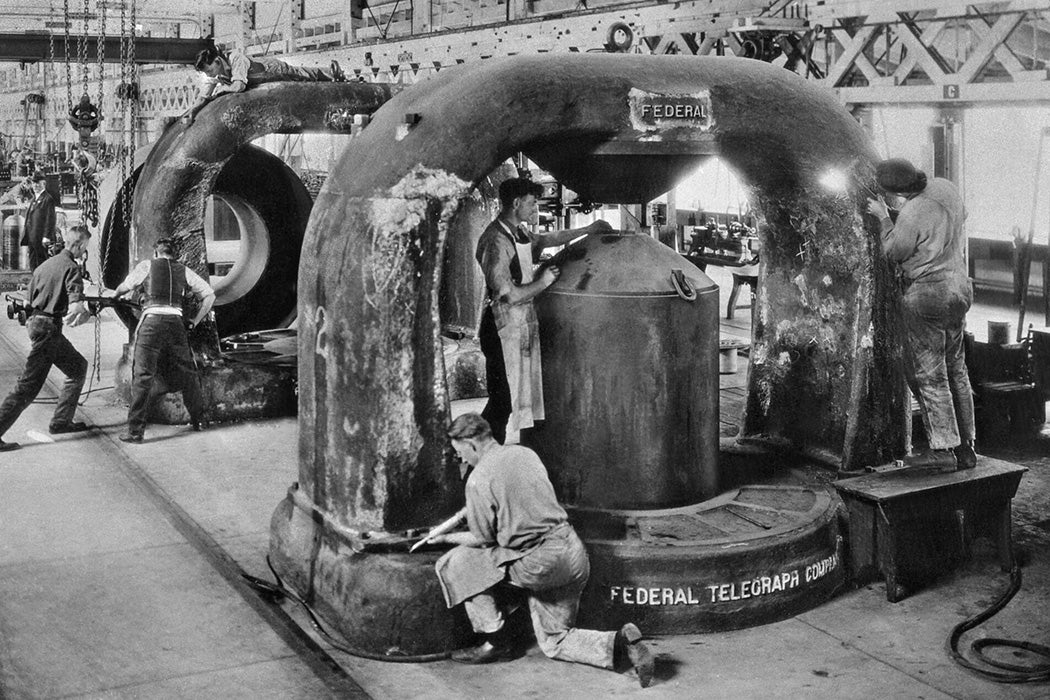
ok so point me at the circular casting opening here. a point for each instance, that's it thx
(238, 246)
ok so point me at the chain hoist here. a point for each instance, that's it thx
(84, 117)
(87, 190)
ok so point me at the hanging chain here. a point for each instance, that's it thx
(100, 7)
(65, 45)
(50, 105)
(83, 49)
(133, 109)
(123, 98)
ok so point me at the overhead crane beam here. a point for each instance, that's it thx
(30, 48)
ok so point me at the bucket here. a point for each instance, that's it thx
(999, 332)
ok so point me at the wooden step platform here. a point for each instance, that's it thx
(912, 526)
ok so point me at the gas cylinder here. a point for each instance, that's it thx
(11, 234)
(629, 347)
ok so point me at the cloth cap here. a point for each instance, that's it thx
(899, 175)
(39, 177)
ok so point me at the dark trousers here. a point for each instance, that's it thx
(935, 318)
(161, 348)
(37, 255)
(49, 348)
(498, 408)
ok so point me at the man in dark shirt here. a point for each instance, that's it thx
(55, 293)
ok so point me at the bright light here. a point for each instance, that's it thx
(835, 180)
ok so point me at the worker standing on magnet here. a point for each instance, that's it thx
(509, 334)
(234, 71)
(55, 297)
(520, 539)
(928, 242)
(161, 334)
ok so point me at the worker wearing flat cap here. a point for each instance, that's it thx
(520, 543)
(509, 333)
(928, 242)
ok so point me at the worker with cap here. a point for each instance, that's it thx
(509, 333)
(56, 293)
(928, 243)
(520, 543)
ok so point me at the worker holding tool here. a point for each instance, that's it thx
(509, 334)
(161, 334)
(55, 297)
(520, 540)
(928, 242)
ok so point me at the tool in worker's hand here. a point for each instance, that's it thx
(441, 529)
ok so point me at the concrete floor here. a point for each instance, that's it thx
(119, 578)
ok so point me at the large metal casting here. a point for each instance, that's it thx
(373, 399)
(630, 381)
(213, 157)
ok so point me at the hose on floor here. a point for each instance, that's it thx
(1007, 673)
(274, 592)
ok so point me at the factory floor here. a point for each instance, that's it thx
(120, 578)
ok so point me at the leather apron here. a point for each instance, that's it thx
(520, 340)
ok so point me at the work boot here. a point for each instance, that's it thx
(8, 446)
(484, 653)
(965, 456)
(629, 641)
(932, 459)
(134, 438)
(70, 427)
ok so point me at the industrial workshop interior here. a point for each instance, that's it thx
(524, 348)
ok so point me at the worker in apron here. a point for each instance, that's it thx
(509, 333)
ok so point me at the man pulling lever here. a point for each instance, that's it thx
(55, 296)
(161, 334)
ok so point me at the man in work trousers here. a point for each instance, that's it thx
(519, 536)
(161, 334)
(928, 242)
(236, 72)
(509, 334)
(55, 294)
(40, 222)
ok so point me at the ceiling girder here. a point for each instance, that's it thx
(31, 48)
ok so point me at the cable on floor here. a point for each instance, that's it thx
(274, 592)
(1007, 673)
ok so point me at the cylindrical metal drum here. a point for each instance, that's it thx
(12, 233)
(630, 376)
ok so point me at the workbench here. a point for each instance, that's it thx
(912, 526)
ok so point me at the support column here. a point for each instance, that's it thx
(296, 14)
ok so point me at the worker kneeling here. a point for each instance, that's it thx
(520, 535)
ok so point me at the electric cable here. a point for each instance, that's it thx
(48, 400)
(1008, 673)
(274, 592)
